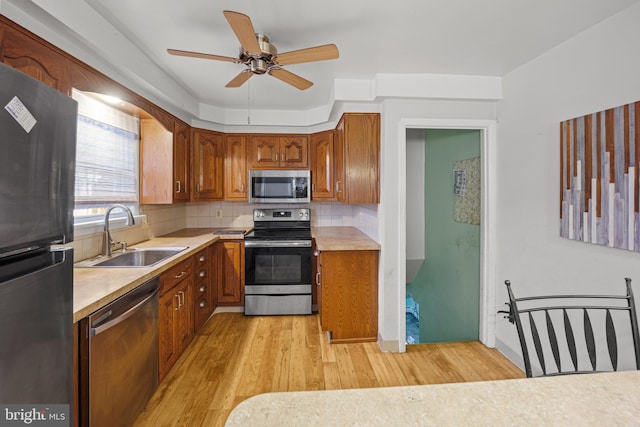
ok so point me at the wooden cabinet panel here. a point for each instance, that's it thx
(264, 152)
(278, 151)
(348, 295)
(230, 272)
(207, 165)
(181, 150)
(235, 168)
(322, 177)
(35, 58)
(156, 159)
(168, 332)
(357, 158)
(176, 320)
(294, 151)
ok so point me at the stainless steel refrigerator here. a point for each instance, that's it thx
(37, 165)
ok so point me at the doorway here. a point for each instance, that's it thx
(488, 201)
(443, 239)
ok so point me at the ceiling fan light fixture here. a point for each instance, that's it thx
(261, 57)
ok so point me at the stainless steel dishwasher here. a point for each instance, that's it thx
(119, 358)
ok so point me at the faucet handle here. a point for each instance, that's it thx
(124, 246)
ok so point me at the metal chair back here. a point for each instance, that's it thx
(566, 334)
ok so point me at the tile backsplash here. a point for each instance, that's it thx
(163, 219)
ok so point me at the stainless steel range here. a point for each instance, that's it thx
(278, 262)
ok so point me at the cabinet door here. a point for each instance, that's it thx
(207, 165)
(34, 58)
(339, 163)
(230, 272)
(168, 336)
(181, 148)
(264, 152)
(362, 161)
(322, 181)
(156, 160)
(235, 168)
(349, 282)
(185, 324)
(294, 151)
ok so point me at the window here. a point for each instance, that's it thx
(106, 158)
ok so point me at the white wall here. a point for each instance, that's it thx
(415, 202)
(595, 70)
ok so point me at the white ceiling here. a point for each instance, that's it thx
(460, 37)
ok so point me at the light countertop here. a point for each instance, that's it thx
(576, 400)
(343, 239)
(95, 287)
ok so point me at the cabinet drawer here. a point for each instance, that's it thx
(175, 275)
(202, 310)
(201, 289)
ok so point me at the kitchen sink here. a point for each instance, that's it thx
(137, 257)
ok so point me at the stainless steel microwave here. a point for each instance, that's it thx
(279, 186)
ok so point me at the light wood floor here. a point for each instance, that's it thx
(235, 357)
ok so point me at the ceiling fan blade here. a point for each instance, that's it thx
(311, 54)
(202, 55)
(290, 78)
(242, 26)
(240, 79)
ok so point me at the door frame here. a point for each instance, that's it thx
(488, 203)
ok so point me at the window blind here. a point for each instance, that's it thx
(106, 154)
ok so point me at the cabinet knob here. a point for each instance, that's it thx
(203, 258)
(203, 273)
(203, 303)
(203, 288)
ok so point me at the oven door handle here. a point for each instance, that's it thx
(277, 244)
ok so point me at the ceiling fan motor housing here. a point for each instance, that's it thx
(260, 63)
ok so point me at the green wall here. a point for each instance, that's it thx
(447, 287)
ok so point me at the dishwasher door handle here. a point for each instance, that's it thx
(124, 316)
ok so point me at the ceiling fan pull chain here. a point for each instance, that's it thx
(248, 103)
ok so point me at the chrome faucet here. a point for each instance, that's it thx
(107, 236)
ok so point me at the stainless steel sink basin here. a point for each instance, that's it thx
(138, 257)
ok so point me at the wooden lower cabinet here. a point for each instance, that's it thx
(176, 326)
(347, 292)
(229, 272)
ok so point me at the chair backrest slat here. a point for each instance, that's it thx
(571, 341)
(612, 342)
(536, 343)
(589, 339)
(553, 340)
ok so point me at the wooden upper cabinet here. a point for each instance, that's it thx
(322, 169)
(357, 158)
(235, 168)
(34, 57)
(207, 154)
(181, 150)
(278, 151)
(164, 162)
(156, 159)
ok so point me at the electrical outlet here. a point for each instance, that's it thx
(218, 213)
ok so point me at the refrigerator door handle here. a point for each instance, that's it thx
(121, 318)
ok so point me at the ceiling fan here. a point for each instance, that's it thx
(261, 57)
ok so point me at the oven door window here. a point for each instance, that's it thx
(278, 266)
